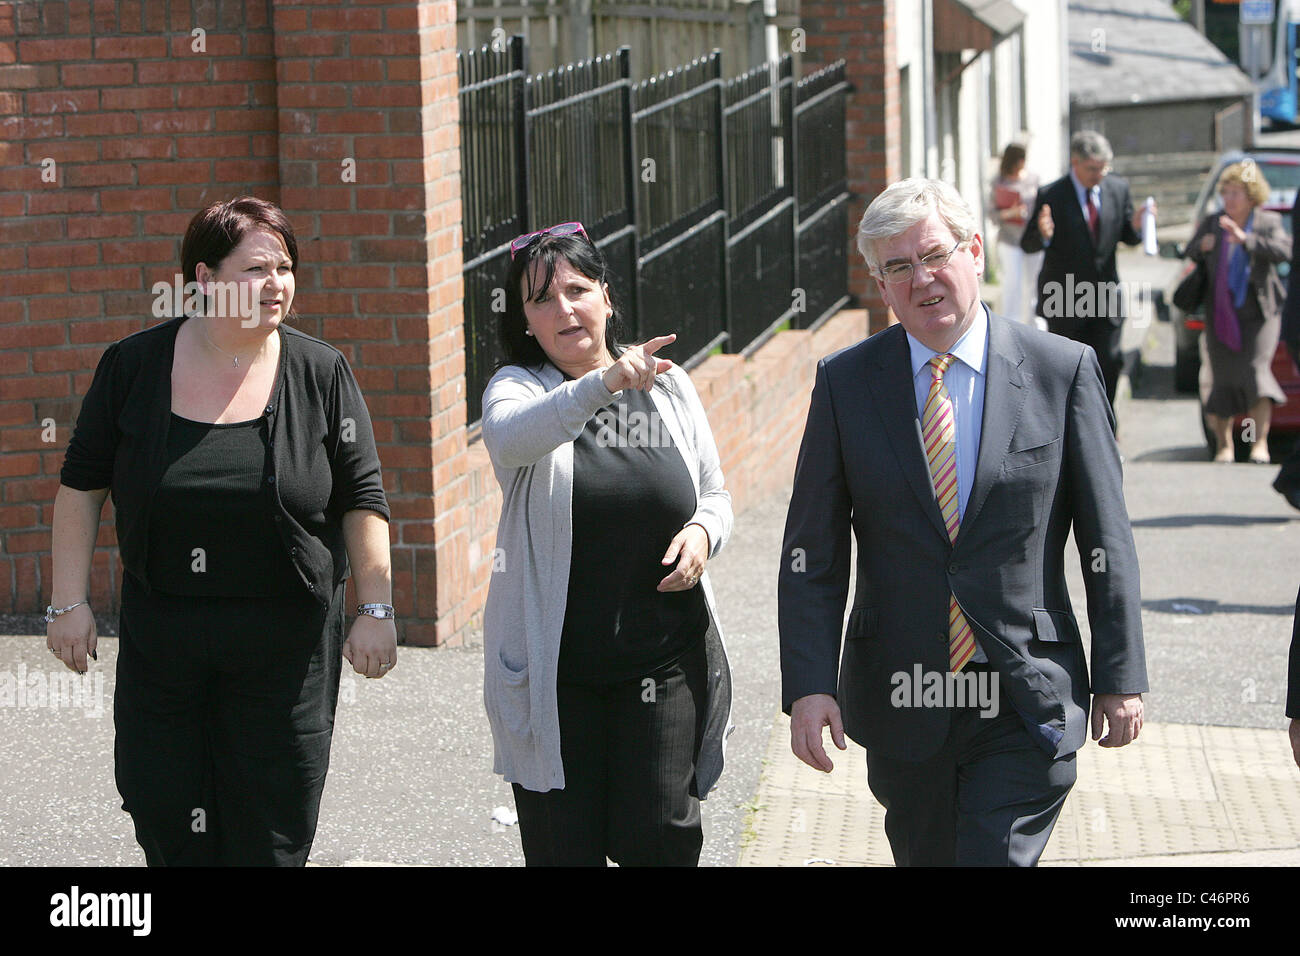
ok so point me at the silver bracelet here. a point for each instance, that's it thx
(51, 612)
(382, 611)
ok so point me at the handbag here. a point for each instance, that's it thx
(1190, 294)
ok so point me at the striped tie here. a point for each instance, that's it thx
(940, 433)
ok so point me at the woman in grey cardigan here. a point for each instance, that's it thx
(605, 679)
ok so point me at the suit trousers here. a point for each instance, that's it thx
(1287, 482)
(989, 797)
(629, 750)
(224, 712)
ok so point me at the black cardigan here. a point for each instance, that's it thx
(120, 443)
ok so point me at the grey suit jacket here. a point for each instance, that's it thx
(1047, 462)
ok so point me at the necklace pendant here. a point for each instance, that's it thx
(236, 361)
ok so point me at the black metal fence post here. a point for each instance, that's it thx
(519, 61)
(721, 161)
(630, 293)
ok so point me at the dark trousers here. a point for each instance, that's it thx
(1105, 341)
(629, 752)
(224, 711)
(1287, 481)
(1288, 478)
(990, 797)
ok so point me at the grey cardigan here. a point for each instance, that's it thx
(531, 417)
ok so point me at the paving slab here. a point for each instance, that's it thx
(1181, 795)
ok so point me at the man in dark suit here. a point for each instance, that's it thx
(959, 448)
(1293, 685)
(1080, 220)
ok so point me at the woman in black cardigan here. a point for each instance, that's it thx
(245, 480)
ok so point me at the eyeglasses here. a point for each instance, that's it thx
(1098, 167)
(563, 229)
(902, 271)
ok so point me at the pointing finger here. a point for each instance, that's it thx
(658, 342)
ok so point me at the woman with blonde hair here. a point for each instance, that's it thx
(1240, 248)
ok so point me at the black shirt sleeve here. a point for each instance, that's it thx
(88, 465)
(354, 459)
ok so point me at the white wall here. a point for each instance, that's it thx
(1047, 107)
(961, 145)
(909, 17)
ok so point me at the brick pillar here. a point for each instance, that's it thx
(862, 33)
(370, 178)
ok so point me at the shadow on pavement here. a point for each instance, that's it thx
(1199, 607)
(1227, 521)
(1183, 453)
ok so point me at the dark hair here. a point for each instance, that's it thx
(216, 230)
(1012, 157)
(546, 252)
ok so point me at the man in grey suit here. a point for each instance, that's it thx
(959, 449)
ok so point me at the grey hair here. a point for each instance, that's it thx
(1089, 144)
(904, 204)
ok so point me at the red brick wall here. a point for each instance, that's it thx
(143, 130)
(369, 162)
(863, 33)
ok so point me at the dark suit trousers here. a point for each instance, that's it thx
(989, 797)
(1293, 666)
(1288, 479)
(1105, 341)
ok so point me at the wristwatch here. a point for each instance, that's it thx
(52, 612)
(382, 611)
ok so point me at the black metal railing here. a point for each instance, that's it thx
(821, 195)
(717, 223)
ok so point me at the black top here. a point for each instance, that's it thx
(323, 459)
(631, 495)
(219, 538)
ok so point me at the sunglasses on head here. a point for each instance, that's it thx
(563, 229)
